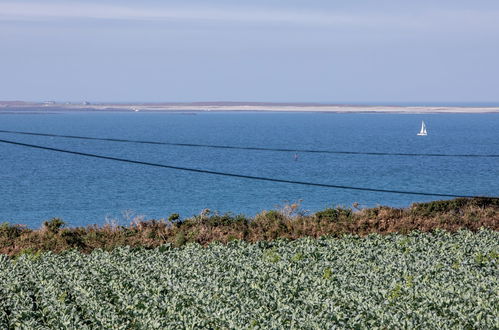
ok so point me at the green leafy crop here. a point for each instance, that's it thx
(424, 281)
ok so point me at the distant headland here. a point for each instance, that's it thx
(21, 106)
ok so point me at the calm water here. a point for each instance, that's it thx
(36, 185)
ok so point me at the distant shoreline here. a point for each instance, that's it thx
(20, 107)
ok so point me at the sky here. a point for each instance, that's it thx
(323, 51)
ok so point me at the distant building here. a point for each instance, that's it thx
(86, 103)
(48, 103)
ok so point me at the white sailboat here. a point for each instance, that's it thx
(422, 132)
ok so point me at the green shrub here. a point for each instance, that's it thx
(456, 205)
(224, 220)
(173, 217)
(180, 239)
(272, 216)
(73, 238)
(336, 214)
(54, 225)
(10, 232)
(30, 253)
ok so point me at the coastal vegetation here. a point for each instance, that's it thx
(289, 222)
(431, 265)
(420, 280)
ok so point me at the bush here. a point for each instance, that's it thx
(224, 220)
(8, 231)
(331, 214)
(73, 238)
(454, 205)
(54, 225)
(173, 217)
(273, 215)
(452, 215)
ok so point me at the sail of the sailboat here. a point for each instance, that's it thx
(423, 129)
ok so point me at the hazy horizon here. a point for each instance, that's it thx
(387, 103)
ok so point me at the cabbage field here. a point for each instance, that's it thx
(437, 280)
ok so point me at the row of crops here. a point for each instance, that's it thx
(437, 280)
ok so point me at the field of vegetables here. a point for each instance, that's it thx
(431, 280)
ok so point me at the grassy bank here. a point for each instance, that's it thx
(437, 280)
(452, 215)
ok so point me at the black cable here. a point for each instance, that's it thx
(234, 175)
(252, 148)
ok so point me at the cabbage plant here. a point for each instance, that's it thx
(424, 281)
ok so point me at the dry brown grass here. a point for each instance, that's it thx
(288, 222)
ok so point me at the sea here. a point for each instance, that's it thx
(37, 185)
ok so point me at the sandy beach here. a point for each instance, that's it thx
(242, 107)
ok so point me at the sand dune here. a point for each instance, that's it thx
(240, 107)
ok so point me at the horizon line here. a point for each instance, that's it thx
(242, 103)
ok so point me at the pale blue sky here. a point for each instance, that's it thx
(290, 51)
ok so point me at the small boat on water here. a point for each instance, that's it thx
(422, 132)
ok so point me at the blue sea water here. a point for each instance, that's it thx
(36, 185)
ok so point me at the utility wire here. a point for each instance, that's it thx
(232, 174)
(252, 148)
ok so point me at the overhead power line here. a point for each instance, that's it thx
(252, 148)
(233, 174)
